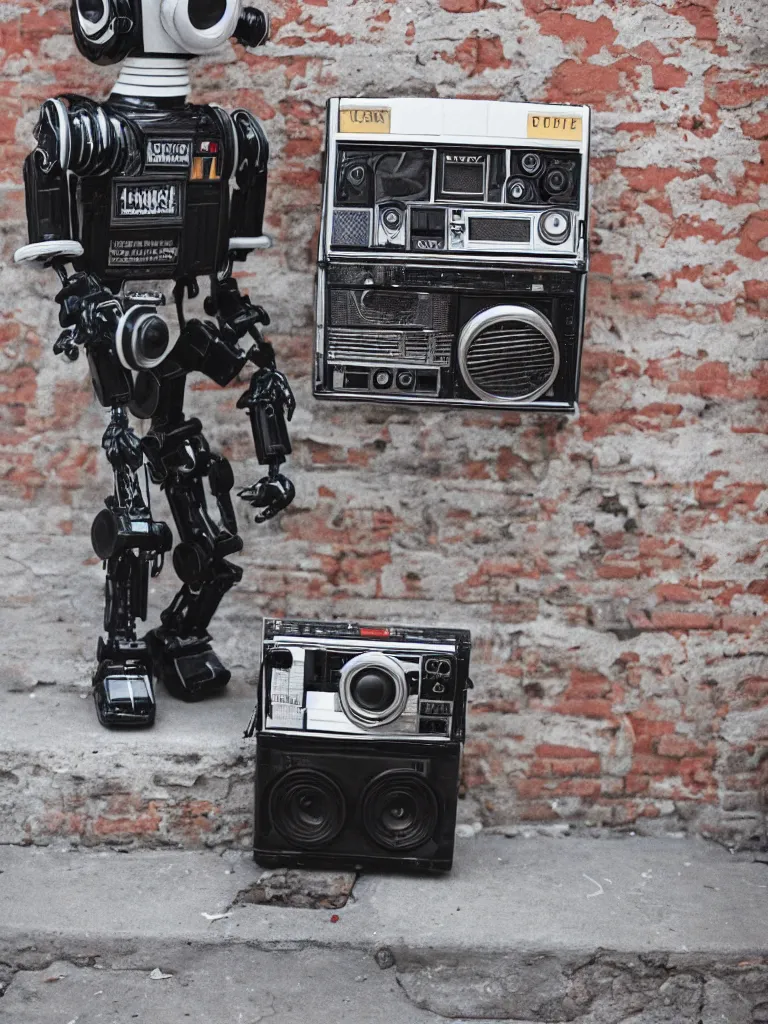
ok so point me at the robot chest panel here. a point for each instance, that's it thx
(168, 219)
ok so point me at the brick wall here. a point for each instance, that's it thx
(612, 568)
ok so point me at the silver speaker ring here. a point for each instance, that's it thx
(495, 315)
(365, 717)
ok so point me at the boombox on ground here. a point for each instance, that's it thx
(453, 253)
(359, 744)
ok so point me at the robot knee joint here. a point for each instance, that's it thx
(115, 531)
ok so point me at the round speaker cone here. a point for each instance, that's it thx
(508, 353)
(307, 808)
(399, 810)
(373, 689)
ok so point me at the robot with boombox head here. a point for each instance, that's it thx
(148, 187)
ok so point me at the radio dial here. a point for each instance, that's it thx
(519, 190)
(356, 175)
(531, 163)
(554, 227)
(557, 181)
(392, 219)
(382, 379)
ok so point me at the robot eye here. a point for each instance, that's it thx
(199, 26)
(206, 13)
(93, 14)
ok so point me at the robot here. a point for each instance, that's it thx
(147, 187)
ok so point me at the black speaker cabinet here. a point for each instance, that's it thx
(355, 804)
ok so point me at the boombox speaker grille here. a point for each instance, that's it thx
(499, 229)
(508, 353)
(349, 345)
(351, 228)
(399, 810)
(307, 808)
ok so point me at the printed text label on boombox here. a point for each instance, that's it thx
(550, 126)
(367, 120)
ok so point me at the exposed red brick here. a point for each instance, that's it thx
(668, 76)
(478, 54)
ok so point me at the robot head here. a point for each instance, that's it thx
(108, 31)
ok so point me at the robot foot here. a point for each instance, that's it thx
(189, 668)
(123, 694)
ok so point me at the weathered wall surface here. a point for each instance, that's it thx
(611, 568)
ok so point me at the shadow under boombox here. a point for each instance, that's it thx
(453, 253)
(359, 743)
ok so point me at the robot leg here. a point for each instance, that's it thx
(181, 652)
(131, 545)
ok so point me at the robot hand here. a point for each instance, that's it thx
(269, 495)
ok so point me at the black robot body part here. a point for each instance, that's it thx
(146, 192)
(148, 186)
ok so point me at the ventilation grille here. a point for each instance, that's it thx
(351, 228)
(512, 360)
(389, 308)
(464, 179)
(381, 347)
(499, 229)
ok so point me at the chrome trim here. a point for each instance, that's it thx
(342, 643)
(497, 314)
(438, 257)
(459, 403)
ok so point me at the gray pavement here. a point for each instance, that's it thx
(221, 986)
(594, 931)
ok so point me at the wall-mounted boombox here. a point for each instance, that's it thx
(360, 732)
(453, 253)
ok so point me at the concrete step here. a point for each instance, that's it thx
(607, 931)
(186, 782)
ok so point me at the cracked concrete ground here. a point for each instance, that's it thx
(217, 986)
(541, 930)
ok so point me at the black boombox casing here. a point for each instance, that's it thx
(353, 766)
(453, 253)
(368, 798)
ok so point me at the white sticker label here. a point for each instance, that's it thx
(169, 152)
(148, 200)
(131, 251)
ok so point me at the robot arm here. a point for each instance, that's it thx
(74, 139)
(269, 400)
(247, 207)
(49, 206)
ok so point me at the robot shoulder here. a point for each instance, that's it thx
(77, 134)
(252, 148)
